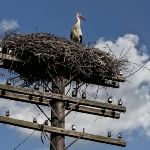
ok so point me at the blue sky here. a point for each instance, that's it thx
(107, 20)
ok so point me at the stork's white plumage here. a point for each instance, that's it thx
(76, 33)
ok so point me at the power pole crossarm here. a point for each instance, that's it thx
(50, 129)
(9, 57)
(64, 98)
(93, 111)
(45, 102)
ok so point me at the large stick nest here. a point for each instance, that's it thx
(56, 55)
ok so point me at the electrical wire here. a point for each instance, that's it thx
(25, 140)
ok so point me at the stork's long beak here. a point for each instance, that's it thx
(83, 18)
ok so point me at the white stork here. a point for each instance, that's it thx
(76, 33)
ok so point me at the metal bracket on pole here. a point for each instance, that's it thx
(72, 108)
(42, 128)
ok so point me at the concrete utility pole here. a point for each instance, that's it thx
(58, 106)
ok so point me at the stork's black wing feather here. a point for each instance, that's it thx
(71, 35)
(81, 39)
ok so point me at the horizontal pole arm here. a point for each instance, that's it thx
(45, 102)
(10, 58)
(93, 111)
(50, 129)
(69, 99)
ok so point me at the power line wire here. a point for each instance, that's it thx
(24, 140)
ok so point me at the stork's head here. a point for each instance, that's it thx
(78, 15)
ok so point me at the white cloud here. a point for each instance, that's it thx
(23, 111)
(8, 25)
(135, 96)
